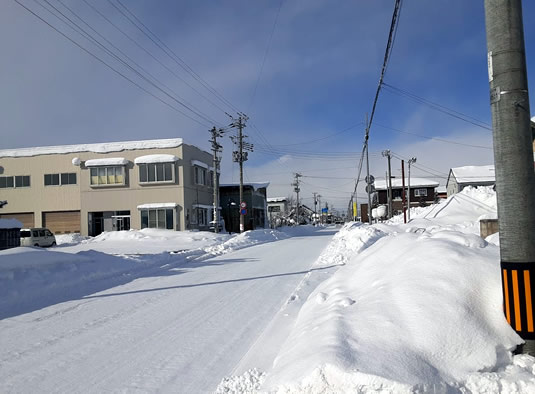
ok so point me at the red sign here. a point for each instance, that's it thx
(243, 204)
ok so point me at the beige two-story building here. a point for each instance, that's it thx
(93, 188)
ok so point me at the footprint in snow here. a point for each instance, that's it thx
(347, 302)
(321, 297)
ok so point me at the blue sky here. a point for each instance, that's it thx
(319, 79)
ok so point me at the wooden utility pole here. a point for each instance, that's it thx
(240, 156)
(513, 162)
(216, 148)
(388, 155)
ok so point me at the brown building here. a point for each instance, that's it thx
(422, 193)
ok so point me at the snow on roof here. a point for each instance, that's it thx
(104, 147)
(199, 163)
(155, 159)
(442, 189)
(397, 183)
(109, 161)
(471, 174)
(276, 199)
(254, 185)
(10, 223)
(157, 205)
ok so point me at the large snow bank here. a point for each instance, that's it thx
(417, 307)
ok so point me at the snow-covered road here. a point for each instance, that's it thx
(180, 330)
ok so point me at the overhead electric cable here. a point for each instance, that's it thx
(105, 63)
(90, 37)
(434, 138)
(438, 107)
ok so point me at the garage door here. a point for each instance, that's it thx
(62, 222)
(26, 219)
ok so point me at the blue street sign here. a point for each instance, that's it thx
(324, 210)
(243, 211)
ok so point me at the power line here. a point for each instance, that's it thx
(169, 52)
(438, 107)
(137, 44)
(434, 138)
(105, 63)
(265, 55)
(90, 37)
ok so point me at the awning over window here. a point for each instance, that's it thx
(109, 161)
(199, 164)
(155, 205)
(155, 159)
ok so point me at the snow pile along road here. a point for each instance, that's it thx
(418, 310)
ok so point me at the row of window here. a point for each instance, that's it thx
(49, 180)
(157, 218)
(203, 177)
(65, 178)
(112, 175)
(14, 181)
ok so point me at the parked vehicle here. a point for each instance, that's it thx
(37, 237)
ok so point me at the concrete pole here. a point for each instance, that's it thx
(240, 138)
(403, 191)
(513, 160)
(390, 209)
(411, 161)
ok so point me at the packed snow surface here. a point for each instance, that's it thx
(386, 308)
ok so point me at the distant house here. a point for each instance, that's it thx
(9, 233)
(422, 193)
(277, 207)
(461, 177)
(255, 198)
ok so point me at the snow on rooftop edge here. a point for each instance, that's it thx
(474, 173)
(157, 205)
(149, 159)
(103, 147)
(109, 161)
(276, 199)
(397, 182)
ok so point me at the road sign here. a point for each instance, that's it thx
(324, 210)
(370, 188)
(243, 211)
(243, 204)
(369, 179)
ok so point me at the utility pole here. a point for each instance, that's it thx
(403, 191)
(240, 156)
(321, 213)
(388, 155)
(315, 207)
(297, 190)
(216, 148)
(513, 161)
(368, 174)
(411, 161)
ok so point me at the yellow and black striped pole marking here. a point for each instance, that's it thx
(518, 280)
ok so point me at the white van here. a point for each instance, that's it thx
(37, 237)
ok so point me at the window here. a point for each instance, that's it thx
(202, 216)
(200, 175)
(396, 194)
(14, 181)
(107, 176)
(274, 208)
(157, 218)
(22, 181)
(65, 178)
(156, 172)
(420, 192)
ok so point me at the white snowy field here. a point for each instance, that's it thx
(89, 321)
(389, 308)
